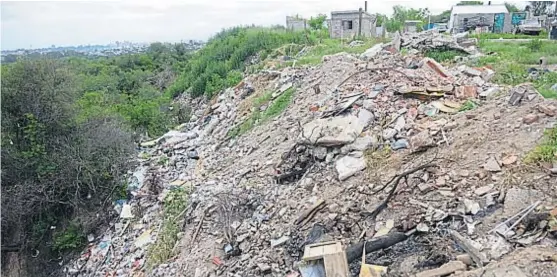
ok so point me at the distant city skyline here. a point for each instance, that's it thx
(70, 23)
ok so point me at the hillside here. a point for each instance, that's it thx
(420, 159)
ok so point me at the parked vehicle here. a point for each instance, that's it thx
(529, 27)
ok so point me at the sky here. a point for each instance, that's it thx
(26, 24)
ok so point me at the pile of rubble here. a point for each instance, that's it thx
(415, 165)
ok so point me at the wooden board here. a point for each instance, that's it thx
(336, 265)
(319, 250)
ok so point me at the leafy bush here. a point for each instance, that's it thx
(535, 45)
(56, 165)
(207, 71)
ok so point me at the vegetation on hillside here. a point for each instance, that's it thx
(67, 139)
(220, 63)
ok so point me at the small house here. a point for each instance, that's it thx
(296, 23)
(496, 18)
(346, 24)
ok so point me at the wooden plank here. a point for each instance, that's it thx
(319, 250)
(336, 265)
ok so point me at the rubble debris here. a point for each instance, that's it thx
(446, 269)
(435, 67)
(348, 166)
(481, 191)
(492, 165)
(422, 227)
(478, 257)
(530, 118)
(336, 131)
(308, 214)
(372, 52)
(464, 258)
(471, 207)
(548, 109)
(126, 211)
(385, 229)
(280, 241)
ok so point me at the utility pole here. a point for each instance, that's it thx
(360, 24)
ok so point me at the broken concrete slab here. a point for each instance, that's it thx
(481, 191)
(348, 166)
(517, 199)
(372, 52)
(335, 131)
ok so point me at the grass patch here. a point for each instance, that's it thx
(541, 35)
(443, 55)
(163, 249)
(69, 238)
(546, 151)
(257, 116)
(332, 46)
(512, 61)
(468, 105)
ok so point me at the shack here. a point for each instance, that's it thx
(346, 24)
(496, 18)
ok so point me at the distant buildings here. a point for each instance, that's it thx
(492, 18)
(296, 23)
(346, 24)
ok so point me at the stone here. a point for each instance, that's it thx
(444, 270)
(264, 268)
(492, 165)
(348, 166)
(330, 157)
(487, 74)
(362, 143)
(422, 227)
(400, 144)
(400, 122)
(365, 117)
(307, 183)
(372, 52)
(424, 187)
(471, 71)
(389, 133)
(481, 191)
(547, 109)
(320, 153)
(489, 93)
(464, 258)
(336, 131)
(517, 199)
(280, 241)
(530, 118)
(465, 92)
(471, 207)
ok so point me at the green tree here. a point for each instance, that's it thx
(539, 7)
(467, 3)
(318, 22)
(511, 7)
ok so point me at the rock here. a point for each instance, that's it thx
(508, 160)
(400, 123)
(361, 144)
(368, 105)
(465, 92)
(444, 270)
(348, 166)
(422, 227)
(517, 199)
(489, 93)
(264, 268)
(307, 183)
(372, 52)
(320, 153)
(389, 133)
(279, 241)
(400, 144)
(471, 71)
(498, 246)
(336, 131)
(547, 109)
(192, 154)
(330, 157)
(487, 74)
(492, 165)
(435, 67)
(365, 117)
(481, 191)
(530, 118)
(464, 258)
(471, 207)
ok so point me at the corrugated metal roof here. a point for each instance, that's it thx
(471, 9)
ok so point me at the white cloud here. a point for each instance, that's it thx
(40, 24)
